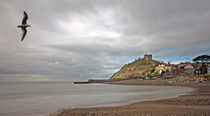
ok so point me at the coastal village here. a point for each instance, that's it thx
(147, 71)
(147, 68)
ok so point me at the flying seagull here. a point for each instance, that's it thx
(24, 25)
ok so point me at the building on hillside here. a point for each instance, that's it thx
(179, 71)
(189, 69)
(160, 68)
(197, 66)
(169, 67)
(181, 65)
(197, 70)
(174, 67)
(148, 57)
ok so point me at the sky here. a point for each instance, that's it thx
(82, 39)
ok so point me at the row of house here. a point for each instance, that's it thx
(184, 67)
(181, 68)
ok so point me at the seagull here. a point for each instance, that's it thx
(24, 25)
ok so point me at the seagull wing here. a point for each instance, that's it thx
(24, 33)
(24, 21)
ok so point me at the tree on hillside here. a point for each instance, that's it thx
(202, 58)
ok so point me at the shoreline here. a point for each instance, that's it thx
(196, 103)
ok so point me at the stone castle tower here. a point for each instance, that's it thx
(148, 57)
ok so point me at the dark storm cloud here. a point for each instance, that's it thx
(77, 39)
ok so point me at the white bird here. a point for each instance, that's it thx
(24, 25)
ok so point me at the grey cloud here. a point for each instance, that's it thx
(142, 26)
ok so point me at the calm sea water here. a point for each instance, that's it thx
(43, 98)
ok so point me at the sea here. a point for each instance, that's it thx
(44, 98)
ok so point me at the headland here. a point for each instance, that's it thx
(146, 71)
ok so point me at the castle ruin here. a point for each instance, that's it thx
(148, 57)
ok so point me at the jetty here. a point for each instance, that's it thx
(92, 81)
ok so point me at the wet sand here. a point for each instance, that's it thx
(196, 104)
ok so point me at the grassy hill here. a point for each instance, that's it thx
(135, 69)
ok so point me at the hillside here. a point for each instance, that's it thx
(135, 69)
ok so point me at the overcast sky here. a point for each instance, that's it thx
(82, 39)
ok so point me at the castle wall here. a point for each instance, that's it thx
(148, 57)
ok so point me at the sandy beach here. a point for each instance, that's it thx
(196, 104)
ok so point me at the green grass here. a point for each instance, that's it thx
(137, 68)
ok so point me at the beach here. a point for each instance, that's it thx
(44, 98)
(195, 104)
